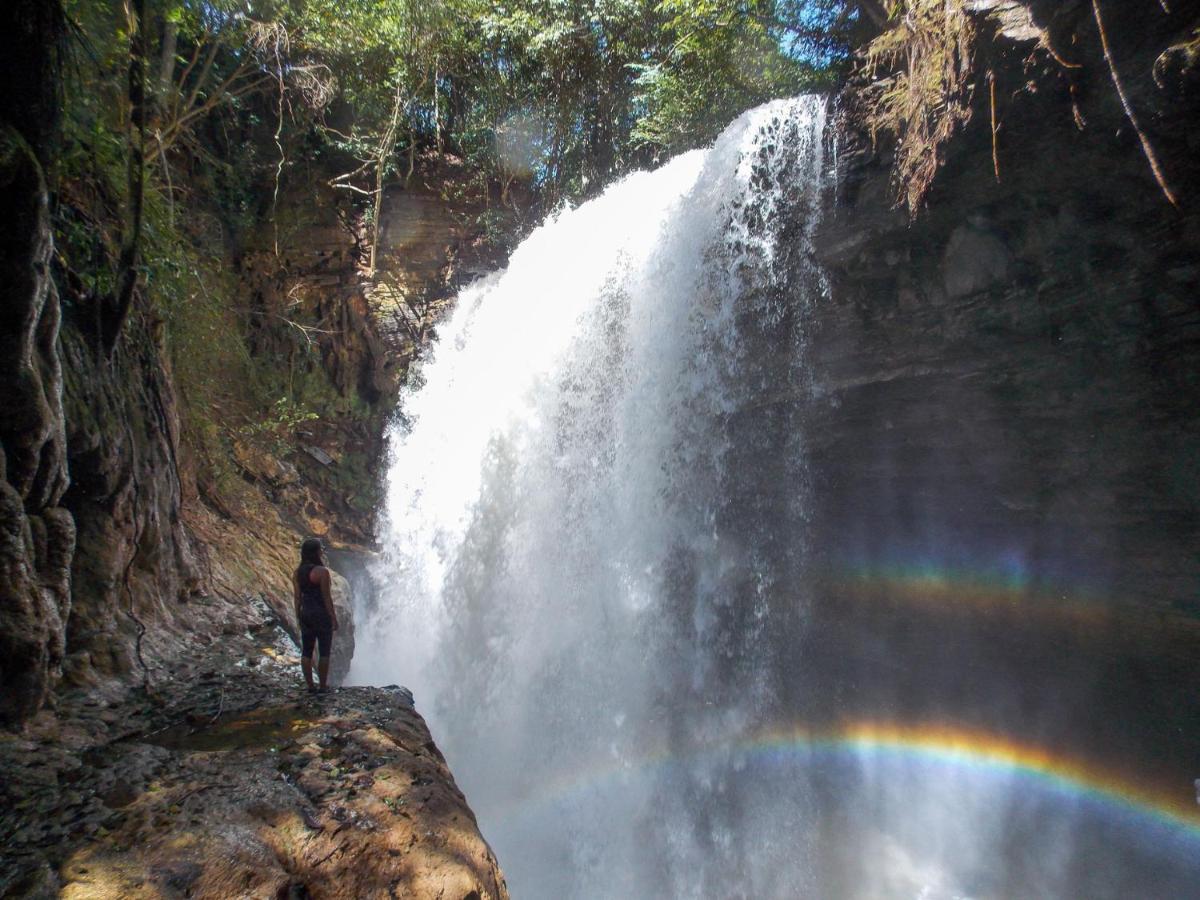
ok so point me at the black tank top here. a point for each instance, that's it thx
(311, 600)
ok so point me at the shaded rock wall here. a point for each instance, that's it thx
(36, 534)
(1008, 384)
(134, 564)
(1002, 427)
(89, 499)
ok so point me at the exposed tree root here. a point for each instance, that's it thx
(1147, 147)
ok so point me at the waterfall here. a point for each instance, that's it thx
(569, 578)
(593, 576)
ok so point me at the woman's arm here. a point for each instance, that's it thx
(327, 594)
(296, 595)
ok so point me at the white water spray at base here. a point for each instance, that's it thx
(556, 582)
(594, 564)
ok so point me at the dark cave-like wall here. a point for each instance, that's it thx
(1002, 428)
(1010, 381)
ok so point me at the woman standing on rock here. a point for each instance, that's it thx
(314, 611)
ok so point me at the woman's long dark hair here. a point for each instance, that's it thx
(310, 552)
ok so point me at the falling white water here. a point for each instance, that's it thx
(593, 566)
(593, 575)
(557, 580)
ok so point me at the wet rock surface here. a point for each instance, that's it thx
(227, 779)
(1008, 382)
(1000, 426)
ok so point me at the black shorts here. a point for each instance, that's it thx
(315, 628)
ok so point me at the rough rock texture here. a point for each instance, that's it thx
(313, 266)
(1002, 430)
(437, 234)
(134, 564)
(37, 536)
(343, 643)
(234, 783)
(1020, 363)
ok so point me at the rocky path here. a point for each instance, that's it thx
(228, 780)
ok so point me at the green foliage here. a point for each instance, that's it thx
(924, 96)
(724, 57)
(249, 97)
(286, 415)
(561, 94)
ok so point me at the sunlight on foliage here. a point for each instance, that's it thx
(923, 94)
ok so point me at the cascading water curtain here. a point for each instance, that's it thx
(589, 497)
(594, 576)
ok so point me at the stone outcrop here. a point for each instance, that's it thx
(236, 783)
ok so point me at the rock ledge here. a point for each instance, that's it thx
(234, 782)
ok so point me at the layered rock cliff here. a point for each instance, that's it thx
(1001, 423)
(1018, 363)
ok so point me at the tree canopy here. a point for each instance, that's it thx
(186, 122)
(562, 93)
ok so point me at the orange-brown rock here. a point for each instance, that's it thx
(236, 783)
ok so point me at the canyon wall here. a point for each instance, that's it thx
(145, 591)
(37, 534)
(1018, 362)
(127, 534)
(1001, 422)
(121, 547)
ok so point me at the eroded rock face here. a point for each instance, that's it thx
(135, 564)
(93, 546)
(36, 536)
(1008, 382)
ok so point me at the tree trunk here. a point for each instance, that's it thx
(166, 62)
(874, 11)
(127, 272)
